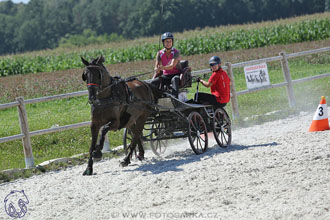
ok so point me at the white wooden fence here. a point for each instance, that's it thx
(283, 57)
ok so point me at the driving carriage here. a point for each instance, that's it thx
(175, 118)
(147, 114)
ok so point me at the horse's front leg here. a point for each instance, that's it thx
(97, 154)
(94, 130)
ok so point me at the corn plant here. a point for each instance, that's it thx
(310, 30)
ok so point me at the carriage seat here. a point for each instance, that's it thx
(185, 76)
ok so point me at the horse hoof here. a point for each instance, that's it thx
(97, 155)
(88, 172)
(124, 163)
(140, 157)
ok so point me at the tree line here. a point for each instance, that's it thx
(47, 24)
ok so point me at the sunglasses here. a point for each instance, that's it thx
(213, 64)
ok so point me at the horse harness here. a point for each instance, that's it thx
(116, 87)
(116, 97)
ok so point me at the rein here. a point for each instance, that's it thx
(141, 74)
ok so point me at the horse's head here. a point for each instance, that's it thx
(96, 76)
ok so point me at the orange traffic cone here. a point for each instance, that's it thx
(320, 120)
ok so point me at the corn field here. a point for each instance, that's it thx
(310, 30)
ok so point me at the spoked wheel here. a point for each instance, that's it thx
(127, 139)
(197, 133)
(158, 132)
(222, 128)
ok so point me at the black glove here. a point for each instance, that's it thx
(198, 79)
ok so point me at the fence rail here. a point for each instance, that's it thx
(283, 57)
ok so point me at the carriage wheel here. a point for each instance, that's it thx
(197, 133)
(127, 139)
(222, 128)
(158, 146)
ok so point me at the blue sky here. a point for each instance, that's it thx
(17, 1)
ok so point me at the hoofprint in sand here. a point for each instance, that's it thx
(277, 170)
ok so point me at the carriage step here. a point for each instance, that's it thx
(178, 133)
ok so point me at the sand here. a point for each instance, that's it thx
(277, 170)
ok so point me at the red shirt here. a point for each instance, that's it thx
(220, 86)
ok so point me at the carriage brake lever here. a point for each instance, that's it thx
(196, 96)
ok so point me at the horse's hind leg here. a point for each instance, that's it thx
(140, 156)
(139, 129)
(136, 129)
(127, 159)
(95, 131)
(132, 146)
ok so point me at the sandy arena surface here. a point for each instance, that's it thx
(277, 170)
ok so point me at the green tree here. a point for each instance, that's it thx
(42, 24)
(8, 8)
(5, 34)
(58, 21)
(327, 5)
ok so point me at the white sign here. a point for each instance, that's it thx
(256, 76)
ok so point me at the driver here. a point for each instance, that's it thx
(219, 83)
(167, 66)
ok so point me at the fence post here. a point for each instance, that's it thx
(29, 162)
(234, 103)
(287, 76)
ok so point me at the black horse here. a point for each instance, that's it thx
(116, 103)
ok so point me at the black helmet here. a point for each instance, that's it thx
(214, 60)
(167, 35)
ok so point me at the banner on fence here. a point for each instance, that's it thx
(256, 76)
